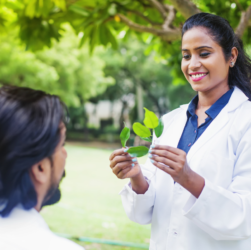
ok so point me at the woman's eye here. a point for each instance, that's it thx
(204, 54)
(186, 56)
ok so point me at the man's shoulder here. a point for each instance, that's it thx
(30, 232)
(50, 241)
(39, 240)
(58, 242)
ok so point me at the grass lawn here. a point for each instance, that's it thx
(90, 204)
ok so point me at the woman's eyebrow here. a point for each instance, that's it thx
(201, 47)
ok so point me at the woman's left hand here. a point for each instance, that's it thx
(173, 161)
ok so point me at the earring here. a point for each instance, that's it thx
(232, 64)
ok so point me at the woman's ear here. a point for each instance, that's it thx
(234, 55)
(41, 171)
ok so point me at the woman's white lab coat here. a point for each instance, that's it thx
(220, 219)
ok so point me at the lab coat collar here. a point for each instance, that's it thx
(237, 98)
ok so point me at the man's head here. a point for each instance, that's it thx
(32, 154)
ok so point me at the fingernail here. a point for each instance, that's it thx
(152, 146)
(131, 155)
(152, 161)
(133, 165)
(150, 156)
(134, 159)
(126, 150)
(150, 151)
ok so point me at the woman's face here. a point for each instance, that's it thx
(203, 62)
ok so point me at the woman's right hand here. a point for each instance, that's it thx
(123, 165)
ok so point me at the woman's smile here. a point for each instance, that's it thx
(197, 76)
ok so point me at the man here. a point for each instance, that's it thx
(32, 162)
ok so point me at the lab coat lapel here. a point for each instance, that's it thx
(215, 127)
(237, 98)
(172, 138)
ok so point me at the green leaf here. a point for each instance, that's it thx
(138, 151)
(77, 9)
(124, 136)
(112, 38)
(149, 139)
(141, 130)
(103, 35)
(158, 130)
(112, 10)
(151, 120)
(94, 39)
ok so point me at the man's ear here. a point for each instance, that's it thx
(41, 171)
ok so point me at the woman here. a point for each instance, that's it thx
(200, 195)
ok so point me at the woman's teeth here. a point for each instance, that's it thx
(198, 75)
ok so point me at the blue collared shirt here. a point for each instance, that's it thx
(192, 132)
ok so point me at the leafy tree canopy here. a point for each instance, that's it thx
(59, 70)
(100, 21)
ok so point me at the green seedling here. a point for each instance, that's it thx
(124, 136)
(151, 121)
(159, 129)
(141, 130)
(138, 151)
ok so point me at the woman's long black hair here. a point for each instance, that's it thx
(222, 33)
(29, 132)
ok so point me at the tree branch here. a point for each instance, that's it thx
(170, 17)
(159, 7)
(144, 17)
(167, 35)
(138, 14)
(239, 5)
(185, 7)
(245, 16)
(143, 3)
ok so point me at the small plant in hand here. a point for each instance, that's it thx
(152, 123)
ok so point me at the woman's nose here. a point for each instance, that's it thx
(194, 63)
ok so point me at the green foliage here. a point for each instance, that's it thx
(124, 136)
(148, 139)
(130, 67)
(159, 129)
(40, 23)
(138, 151)
(151, 120)
(141, 130)
(63, 70)
(98, 20)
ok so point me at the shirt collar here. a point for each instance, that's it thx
(192, 106)
(215, 109)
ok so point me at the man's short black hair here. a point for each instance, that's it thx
(29, 132)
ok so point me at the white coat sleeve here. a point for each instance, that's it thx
(139, 207)
(225, 214)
